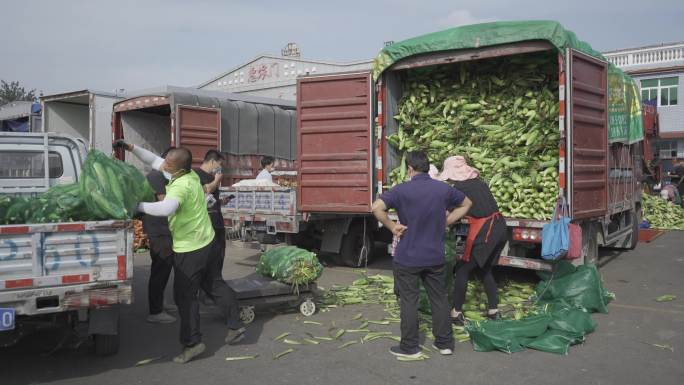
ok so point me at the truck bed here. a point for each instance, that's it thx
(270, 209)
(53, 267)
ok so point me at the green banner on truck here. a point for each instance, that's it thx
(624, 109)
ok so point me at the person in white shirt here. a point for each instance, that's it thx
(268, 165)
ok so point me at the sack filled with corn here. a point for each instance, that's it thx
(290, 264)
(112, 189)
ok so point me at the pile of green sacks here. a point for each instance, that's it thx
(291, 265)
(566, 298)
(107, 189)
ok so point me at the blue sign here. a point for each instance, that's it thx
(6, 319)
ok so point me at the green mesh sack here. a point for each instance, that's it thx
(290, 264)
(112, 189)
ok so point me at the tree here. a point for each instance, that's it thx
(12, 92)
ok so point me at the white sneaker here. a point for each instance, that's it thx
(161, 318)
(444, 352)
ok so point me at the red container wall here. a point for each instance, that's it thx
(199, 131)
(334, 143)
(589, 136)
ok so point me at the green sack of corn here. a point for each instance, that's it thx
(112, 189)
(61, 203)
(291, 265)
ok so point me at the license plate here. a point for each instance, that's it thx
(6, 319)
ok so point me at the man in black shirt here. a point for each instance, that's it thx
(210, 174)
(157, 230)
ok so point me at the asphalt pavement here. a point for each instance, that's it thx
(640, 341)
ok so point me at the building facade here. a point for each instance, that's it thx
(275, 76)
(659, 70)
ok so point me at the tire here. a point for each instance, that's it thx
(352, 244)
(247, 314)
(589, 243)
(307, 307)
(106, 344)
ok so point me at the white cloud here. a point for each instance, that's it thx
(462, 17)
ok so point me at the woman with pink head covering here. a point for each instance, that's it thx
(487, 234)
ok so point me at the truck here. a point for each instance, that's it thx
(84, 114)
(74, 275)
(243, 127)
(344, 159)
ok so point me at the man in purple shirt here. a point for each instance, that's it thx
(422, 205)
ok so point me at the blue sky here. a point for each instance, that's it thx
(66, 45)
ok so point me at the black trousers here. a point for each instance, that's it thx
(462, 274)
(221, 245)
(195, 271)
(161, 251)
(407, 281)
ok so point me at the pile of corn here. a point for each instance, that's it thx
(502, 114)
(140, 240)
(516, 300)
(661, 214)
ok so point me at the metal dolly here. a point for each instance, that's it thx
(256, 290)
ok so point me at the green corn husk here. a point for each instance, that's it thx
(501, 113)
(290, 264)
(661, 214)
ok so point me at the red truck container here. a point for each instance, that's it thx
(242, 126)
(344, 159)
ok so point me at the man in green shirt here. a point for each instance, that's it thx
(196, 259)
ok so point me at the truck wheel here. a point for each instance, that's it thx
(589, 244)
(353, 244)
(106, 344)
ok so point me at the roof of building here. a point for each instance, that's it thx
(292, 58)
(169, 90)
(661, 45)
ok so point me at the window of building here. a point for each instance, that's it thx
(663, 90)
(667, 149)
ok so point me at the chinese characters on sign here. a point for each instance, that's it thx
(262, 72)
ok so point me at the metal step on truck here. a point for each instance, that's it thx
(344, 159)
(71, 275)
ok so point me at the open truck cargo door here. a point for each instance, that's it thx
(587, 97)
(334, 118)
(199, 130)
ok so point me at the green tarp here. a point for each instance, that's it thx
(565, 301)
(624, 113)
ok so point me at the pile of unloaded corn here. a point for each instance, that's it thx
(502, 114)
(661, 214)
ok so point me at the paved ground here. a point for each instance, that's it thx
(620, 351)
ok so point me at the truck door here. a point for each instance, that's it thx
(334, 143)
(588, 135)
(199, 130)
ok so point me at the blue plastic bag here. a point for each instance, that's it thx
(555, 237)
